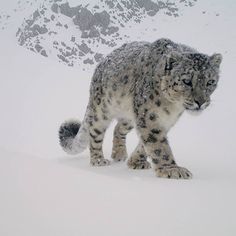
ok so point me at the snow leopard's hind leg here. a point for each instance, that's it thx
(138, 159)
(98, 121)
(119, 151)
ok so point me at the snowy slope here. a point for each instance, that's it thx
(48, 198)
(81, 33)
(46, 192)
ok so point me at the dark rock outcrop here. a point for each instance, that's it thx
(87, 29)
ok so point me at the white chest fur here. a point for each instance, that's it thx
(169, 115)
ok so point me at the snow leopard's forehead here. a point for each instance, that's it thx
(199, 61)
(200, 65)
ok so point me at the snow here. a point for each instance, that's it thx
(45, 192)
(67, 197)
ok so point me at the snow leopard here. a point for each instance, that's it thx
(146, 86)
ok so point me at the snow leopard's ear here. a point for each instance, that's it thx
(216, 59)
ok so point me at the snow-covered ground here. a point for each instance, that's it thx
(45, 192)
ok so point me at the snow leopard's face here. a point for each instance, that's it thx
(191, 79)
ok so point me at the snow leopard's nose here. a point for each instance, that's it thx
(199, 103)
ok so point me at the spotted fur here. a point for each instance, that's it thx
(147, 86)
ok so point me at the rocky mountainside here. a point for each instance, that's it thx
(81, 32)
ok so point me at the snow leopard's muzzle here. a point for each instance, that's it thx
(196, 105)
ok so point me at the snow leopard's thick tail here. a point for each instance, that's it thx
(73, 136)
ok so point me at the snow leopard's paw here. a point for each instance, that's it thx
(119, 155)
(99, 162)
(138, 164)
(173, 172)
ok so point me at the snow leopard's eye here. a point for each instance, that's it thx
(187, 82)
(211, 82)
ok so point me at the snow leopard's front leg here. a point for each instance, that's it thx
(157, 147)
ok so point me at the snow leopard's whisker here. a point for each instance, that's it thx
(188, 103)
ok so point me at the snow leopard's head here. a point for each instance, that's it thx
(191, 78)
